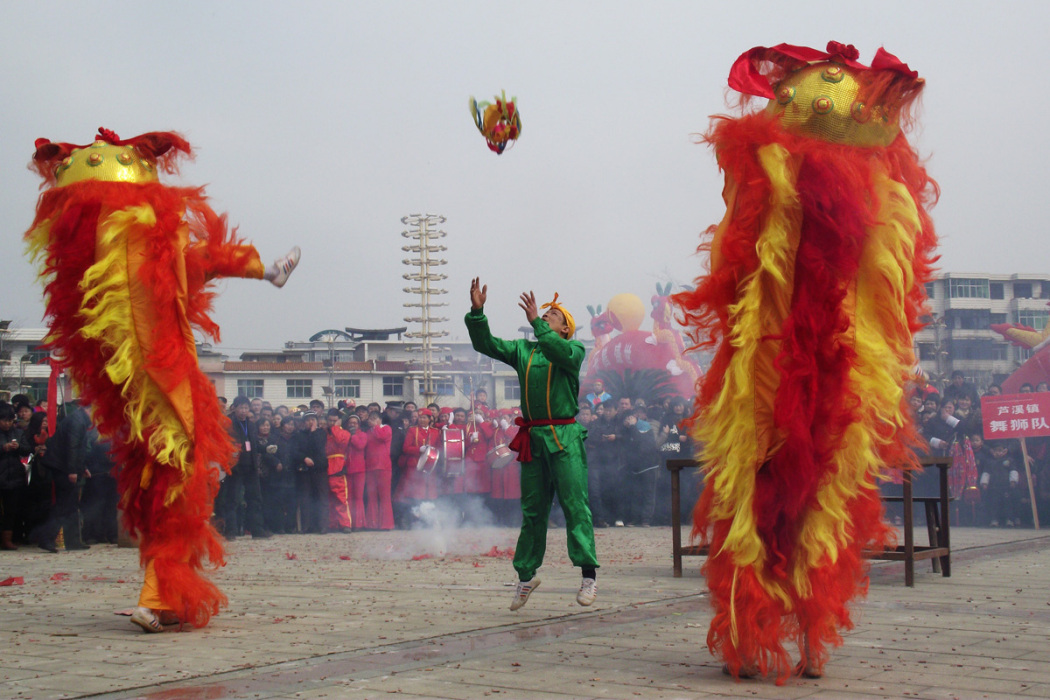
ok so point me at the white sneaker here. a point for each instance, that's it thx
(522, 593)
(588, 592)
(146, 619)
(282, 267)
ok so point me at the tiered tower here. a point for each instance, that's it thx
(424, 233)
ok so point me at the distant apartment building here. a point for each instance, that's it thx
(24, 364)
(363, 365)
(964, 307)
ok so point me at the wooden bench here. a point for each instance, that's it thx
(937, 521)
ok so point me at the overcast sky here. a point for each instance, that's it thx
(323, 123)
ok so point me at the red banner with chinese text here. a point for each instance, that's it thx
(1016, 416)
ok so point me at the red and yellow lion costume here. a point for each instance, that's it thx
(814, 290)
(126, 263)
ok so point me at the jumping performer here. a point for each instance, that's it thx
(549, 442)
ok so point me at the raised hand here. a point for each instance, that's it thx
(478, 294)
(528, 305)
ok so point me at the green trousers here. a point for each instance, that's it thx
(563, 473)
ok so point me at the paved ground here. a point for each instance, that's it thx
(355, 616)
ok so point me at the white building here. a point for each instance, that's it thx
(364, 365)
(965, 306)
(24, 365)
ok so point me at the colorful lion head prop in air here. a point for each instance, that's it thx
(498, 122)
(814, 290)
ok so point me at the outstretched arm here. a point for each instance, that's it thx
(478, 327)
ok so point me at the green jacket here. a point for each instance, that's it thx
(549, 373)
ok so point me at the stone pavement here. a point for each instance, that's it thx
(371, 614)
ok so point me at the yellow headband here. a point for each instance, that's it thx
(569, 320)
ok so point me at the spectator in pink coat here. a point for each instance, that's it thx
(379, 513)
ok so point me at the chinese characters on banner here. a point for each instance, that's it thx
(1016, 416)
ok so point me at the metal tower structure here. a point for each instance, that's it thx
(424, 233)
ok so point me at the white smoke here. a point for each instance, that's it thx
(445, 528)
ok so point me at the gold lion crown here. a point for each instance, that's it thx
(109, 158)
(827, 94)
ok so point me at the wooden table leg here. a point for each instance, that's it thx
(933, 527)
(909, 537)
(676, 524)
(944, 532)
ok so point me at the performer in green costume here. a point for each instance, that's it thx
(549, 440)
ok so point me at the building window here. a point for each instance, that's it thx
(970, 319)
(1034, 318)
(997, 318)
(300, 388)
(512, 390)
(252, 388)
(393, 386)
(996, 290)
(929, 291)
(38, 355)
(927, 351)
(444, 387)
(978, 350)
(968, 289)
(1022, 290)
(348, 388)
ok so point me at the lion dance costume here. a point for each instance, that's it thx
(126, 263)
(814, 290)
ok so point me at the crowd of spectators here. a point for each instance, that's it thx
(317, 470)
(52, 485)
(309, 469)
(627, 444)
(990, 483)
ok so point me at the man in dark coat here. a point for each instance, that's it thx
(311, 479)
(66, 459)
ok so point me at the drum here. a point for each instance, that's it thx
(455, 452)
(499, 456)
(428, 459)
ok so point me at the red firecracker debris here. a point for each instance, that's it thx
(60, 577)
(12, 581)
(290, 556)
(344, 557)
(498, 553)
(420, 557)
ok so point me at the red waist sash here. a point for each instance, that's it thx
(522, 444)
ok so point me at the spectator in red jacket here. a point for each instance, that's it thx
(355, 467)
(379, 513)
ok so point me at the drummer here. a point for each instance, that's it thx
(481, 430)
(506, 479)
(549, 441)
(419, 479)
